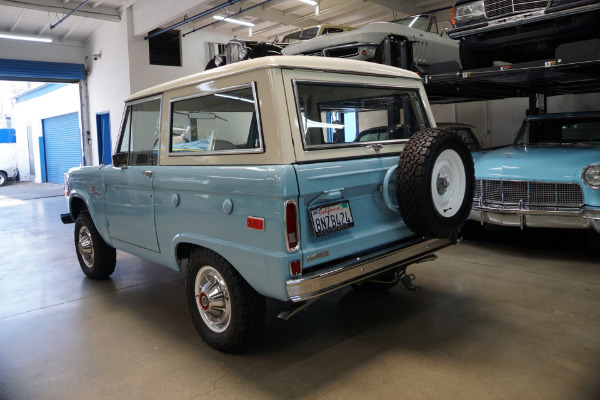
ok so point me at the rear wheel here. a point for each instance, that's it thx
(435, 183)
(227, 312)
(3, 178)
(96, 258)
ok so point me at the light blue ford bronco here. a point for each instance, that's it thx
(276, 178)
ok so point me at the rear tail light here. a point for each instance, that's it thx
(291, 227)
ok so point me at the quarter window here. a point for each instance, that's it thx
(141, 132)
(221, 122)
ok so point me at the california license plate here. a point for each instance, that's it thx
(331, 218)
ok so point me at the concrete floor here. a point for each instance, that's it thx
(493, 321)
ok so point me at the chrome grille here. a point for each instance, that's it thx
(528, 195)
(232, 52)
(500, 8)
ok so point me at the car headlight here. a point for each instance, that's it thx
(464, 13)
(591, 176)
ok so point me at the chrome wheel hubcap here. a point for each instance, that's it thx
(85, 247)
(212, 299)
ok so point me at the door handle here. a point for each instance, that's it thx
(147, 173)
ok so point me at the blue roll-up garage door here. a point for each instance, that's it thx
(62, 142)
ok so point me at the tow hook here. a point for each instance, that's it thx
(407, 279)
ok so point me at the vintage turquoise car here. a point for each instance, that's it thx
(248, 179)
(549, 177)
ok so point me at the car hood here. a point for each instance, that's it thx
(374, 32)
(538, 163)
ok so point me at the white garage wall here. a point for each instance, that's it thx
(31, 112)
(108, 78)
(63, 53)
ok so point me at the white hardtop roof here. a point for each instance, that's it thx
(289, 62)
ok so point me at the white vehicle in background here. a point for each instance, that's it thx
(415, 43)
(8, 156)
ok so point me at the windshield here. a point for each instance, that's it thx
(419, 22)
(560, 131)
(340, 115)
(304, 34)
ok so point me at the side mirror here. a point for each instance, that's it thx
(445, 30)
(119, 159)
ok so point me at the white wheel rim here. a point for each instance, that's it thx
(448, 183)
(212, 299)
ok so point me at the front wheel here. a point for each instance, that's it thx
(435, 183)
(96, 258)
(227, 312)
(3, 178)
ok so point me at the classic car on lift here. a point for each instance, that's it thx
(233, 176)
(549, 177)
(414, 42)
(520, 30)
(238, 50)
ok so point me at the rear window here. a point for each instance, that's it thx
(338, 115)
(227, 122)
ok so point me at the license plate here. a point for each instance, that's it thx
(331, 218)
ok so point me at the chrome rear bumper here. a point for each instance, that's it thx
(337, 276)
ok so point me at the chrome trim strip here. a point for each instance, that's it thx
(524, 211)
(346, 273)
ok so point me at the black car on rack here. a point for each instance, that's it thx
(520, 30)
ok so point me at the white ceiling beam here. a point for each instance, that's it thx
(19, 18)
(402, 6)
(372, 18)
(437, 3)
(44, 28)
(72, 29)
(57, 6)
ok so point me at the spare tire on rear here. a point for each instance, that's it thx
(435, 183)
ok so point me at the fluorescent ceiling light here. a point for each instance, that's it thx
(234, 21)
(24, 37)
(311, 2)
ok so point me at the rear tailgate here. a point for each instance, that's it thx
(342, 185)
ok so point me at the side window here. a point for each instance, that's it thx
(220, 122)
(141, 132)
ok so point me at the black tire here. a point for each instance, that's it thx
(96, 258)
(237, 316)
(471, 59)
(380, 283)
(443, 212)
(3, 178)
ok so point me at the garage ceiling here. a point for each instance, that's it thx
(273, 18)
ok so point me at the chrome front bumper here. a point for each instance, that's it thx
(578, 218)
(337, 276)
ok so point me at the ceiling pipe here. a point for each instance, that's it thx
(69, 14)
(232, 15)
(190, 19)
